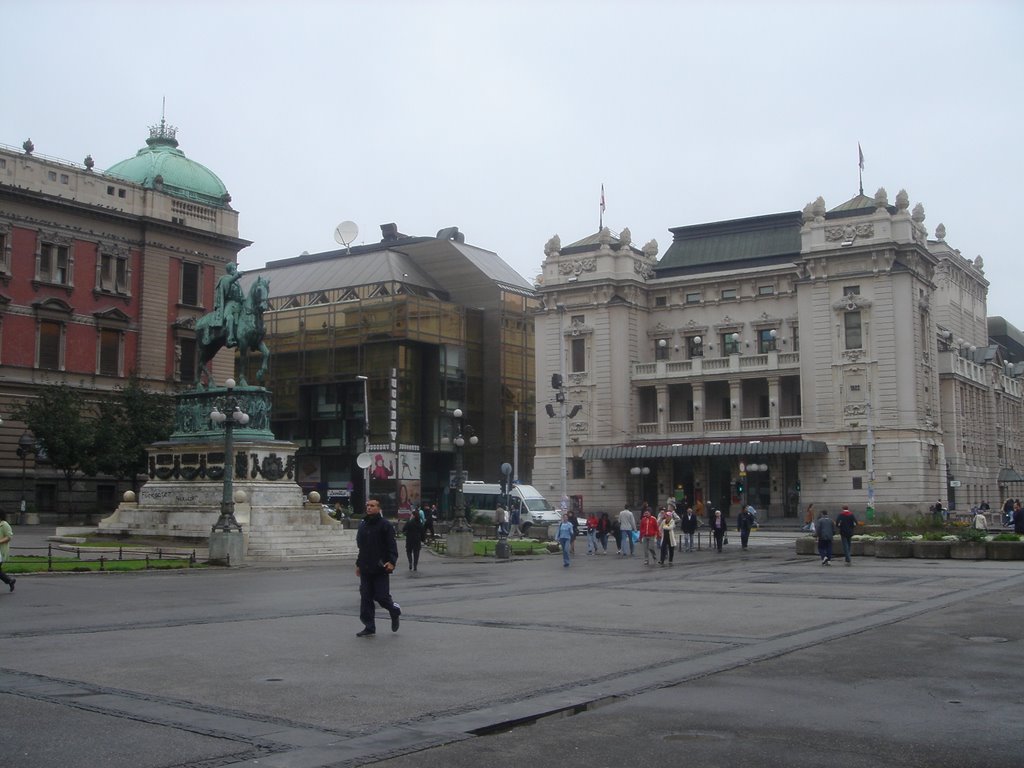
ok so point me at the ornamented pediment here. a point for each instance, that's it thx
(577, 266)
(849, 232)
(851, 303)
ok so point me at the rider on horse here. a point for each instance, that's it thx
(227, 304)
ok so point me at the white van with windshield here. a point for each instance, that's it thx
(534, 509)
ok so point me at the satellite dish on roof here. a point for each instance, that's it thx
(346, 233)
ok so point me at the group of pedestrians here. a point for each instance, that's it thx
(656, 535)
(825, 529)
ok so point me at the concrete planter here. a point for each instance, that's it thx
(1005, 550)
(885, 548)
(968, 550)
(864, 548)
(807, 545)
(931, 550)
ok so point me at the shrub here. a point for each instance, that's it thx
(1006, 537)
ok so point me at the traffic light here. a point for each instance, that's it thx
(550, 409)
(739, 487)
(556, 381)
(504, 485)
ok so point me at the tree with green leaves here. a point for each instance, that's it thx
(129, 422)
(64, 426)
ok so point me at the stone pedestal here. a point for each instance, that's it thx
(459, 544)
(227, 548)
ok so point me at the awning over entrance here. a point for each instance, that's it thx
(1009, 475)
(707, 448)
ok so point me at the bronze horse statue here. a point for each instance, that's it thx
(249, 333)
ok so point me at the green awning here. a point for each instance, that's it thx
(706, 448)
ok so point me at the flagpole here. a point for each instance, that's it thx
(600, 217)
(860, 165)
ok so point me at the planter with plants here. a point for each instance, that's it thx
(1005, 546)
(931, 546)
(806, 545)
(969, 545)
(863, 545)
(896, 545)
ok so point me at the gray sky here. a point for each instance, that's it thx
(504, 118)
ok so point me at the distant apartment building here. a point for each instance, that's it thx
(102, 274)
(829, 356)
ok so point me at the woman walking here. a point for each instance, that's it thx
(604, 528)
(718, 529)
(667, 524)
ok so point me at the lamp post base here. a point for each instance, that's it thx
(227, 522)
(459, 543)
(227, 548)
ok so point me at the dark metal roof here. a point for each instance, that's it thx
(707, 448)
(729, 242)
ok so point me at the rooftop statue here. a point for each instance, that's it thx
(236, 321)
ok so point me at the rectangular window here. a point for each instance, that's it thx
(577, 319)
(54, 264)
(693, 298)
(187, 362)
(695, 346)
(5, 268)
(728, 293)
(64, 178)
(190, 284)
(51, 175)
(851, 322)
(578, 356)
(110, 352)
(766, 340)
(730, 344)
(579, 469)
(661, 301)
(851, 290)
(113, 273)
(857, 457)
(766, 290)
(49, 345)
(796, 338)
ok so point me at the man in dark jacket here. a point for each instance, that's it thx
(847, 524)
(745, 520)
(378, 555)
(824, 530)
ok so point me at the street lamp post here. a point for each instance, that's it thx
(229, 414)
(366, 435)
(26, 448)
(640, 472)
(463, 434)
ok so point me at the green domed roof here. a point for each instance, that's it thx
(161, 165)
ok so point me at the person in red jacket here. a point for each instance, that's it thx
(847, 524)
(649, 536)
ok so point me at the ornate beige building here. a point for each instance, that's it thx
(826, 356)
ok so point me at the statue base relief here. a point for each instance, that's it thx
(182, 500)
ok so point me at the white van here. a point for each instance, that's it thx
(534, 509)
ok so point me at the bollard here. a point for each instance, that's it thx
(502, 550)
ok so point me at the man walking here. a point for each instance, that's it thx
(649, 536)
(745, 521)
(825, 530)
(627, 524)
(847, 524)
(378, 555)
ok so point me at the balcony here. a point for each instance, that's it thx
(681, 370)
(755, 427)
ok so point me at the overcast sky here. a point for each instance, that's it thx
(504, 118)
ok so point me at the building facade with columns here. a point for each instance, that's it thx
(102, 274)
(827, 356)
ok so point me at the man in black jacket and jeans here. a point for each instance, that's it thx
(378, 555)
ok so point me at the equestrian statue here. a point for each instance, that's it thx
(236, 321)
